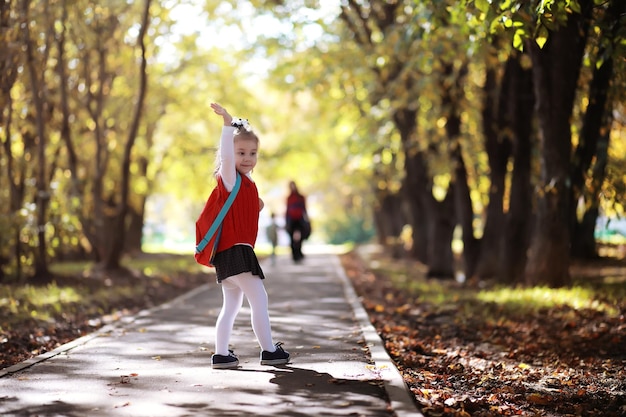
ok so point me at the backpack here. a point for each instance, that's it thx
(209, 227)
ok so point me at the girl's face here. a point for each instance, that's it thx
(245, 155)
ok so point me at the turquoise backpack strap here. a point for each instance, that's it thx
(220, 216)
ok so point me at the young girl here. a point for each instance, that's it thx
(236, 265)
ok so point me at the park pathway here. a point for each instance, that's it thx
(157, 363)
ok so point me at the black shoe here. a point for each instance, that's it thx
(279, 357)
(224, 361)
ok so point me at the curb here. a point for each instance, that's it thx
(401, 399)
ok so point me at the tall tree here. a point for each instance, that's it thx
(11, 185)
(37, 84)
(591, 152)
(507, 110)
(115, 253)
(556, 68)
(555, 34)
(517, 228)
(373, 26)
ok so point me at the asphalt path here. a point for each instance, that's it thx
(157, 363)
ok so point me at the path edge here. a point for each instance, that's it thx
(123, 321)
(400, 397)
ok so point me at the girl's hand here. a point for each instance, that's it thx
(218, 109)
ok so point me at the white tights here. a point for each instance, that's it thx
(233, 290)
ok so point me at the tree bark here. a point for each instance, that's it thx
(593, 143)
(390, 220)
(583, 239)
(134, 232)
(66, 132)
(517, 227)
(417, 192)
(440, 232)
(452, 96)
(498, 148)
(555, 70)
(42, 198)
(415, 182)
(117, 245)
(9, 69)
(464, 213)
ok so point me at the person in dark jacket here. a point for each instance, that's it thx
(296, 221)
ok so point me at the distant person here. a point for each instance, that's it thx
(296, 221)
(236, 265)
(272, 235)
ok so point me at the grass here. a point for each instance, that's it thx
(28, 299)
(593, 295)
(539, 298)
(82, 295)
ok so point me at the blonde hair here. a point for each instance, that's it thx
(246, 135)
(240, 134)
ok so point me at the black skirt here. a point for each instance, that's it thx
(236, 260)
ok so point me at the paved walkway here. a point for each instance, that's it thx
(157, 363)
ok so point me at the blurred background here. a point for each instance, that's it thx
(482, 138)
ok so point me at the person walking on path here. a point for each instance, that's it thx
(236, 265)
(296, 220)
(272, 235)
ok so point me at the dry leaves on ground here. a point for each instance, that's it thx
(462, 358)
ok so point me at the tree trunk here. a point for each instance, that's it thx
(135, 230)
(555, 70)
(465, 213)
(390, 220)
(415, 184)
(516, 236)
(16, 195)
(498, 147)
(42, 198)
(593, 144)
(66, 132)
(417, 191)
(9, 64)
(113, 259)
(96, 226)
(452, 96)
(583, 242)
(441, 230)
(137, 214)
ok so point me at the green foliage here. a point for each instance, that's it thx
(351, 229)
(320, 96)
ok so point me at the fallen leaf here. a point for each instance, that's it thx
(540, 399)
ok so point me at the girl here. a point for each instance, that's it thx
(236, 265)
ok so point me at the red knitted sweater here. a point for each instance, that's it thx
(241, 224)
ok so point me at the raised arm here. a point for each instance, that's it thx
(227, 169)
